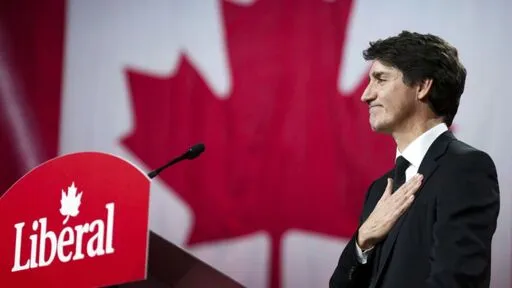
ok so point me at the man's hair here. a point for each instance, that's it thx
(425, 56)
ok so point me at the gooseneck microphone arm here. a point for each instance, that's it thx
(191, 153)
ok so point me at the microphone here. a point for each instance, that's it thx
(192, 153)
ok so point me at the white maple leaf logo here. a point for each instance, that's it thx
(69, 203)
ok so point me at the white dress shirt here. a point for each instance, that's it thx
(414, 153)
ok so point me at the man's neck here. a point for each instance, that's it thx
(405, 136)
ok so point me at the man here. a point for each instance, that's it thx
(436, 229)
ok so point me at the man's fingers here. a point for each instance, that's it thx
(406, 203)
(405, 200)
(412, 185)
(415, 185)
(387, 191)
(408, 190)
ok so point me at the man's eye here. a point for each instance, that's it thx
(376, 80)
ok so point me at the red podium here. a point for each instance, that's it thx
(81, 220)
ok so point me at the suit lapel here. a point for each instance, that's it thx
(427, 168)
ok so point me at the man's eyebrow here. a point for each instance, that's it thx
(379, 74)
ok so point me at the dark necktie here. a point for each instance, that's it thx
(399, 174)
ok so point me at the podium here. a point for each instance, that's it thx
(82, 220)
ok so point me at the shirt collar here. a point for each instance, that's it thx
(415, 152)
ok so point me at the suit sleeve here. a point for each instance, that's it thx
(349, 272)
(466, 214)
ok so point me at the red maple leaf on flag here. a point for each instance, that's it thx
(285, 150)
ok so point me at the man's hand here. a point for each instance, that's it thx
(387, 211)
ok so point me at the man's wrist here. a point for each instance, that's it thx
(362, 242)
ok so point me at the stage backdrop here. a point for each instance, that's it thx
(272, 88)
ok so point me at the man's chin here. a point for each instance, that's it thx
(379, 128)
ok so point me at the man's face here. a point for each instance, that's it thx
(390, 101)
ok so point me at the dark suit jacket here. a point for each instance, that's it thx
(444, 238)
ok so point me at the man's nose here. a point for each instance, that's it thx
(369, 94)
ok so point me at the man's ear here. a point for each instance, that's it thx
(423, 88)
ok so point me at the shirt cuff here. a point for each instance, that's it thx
(362, 256)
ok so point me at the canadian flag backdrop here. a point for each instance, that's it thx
(272, 88)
